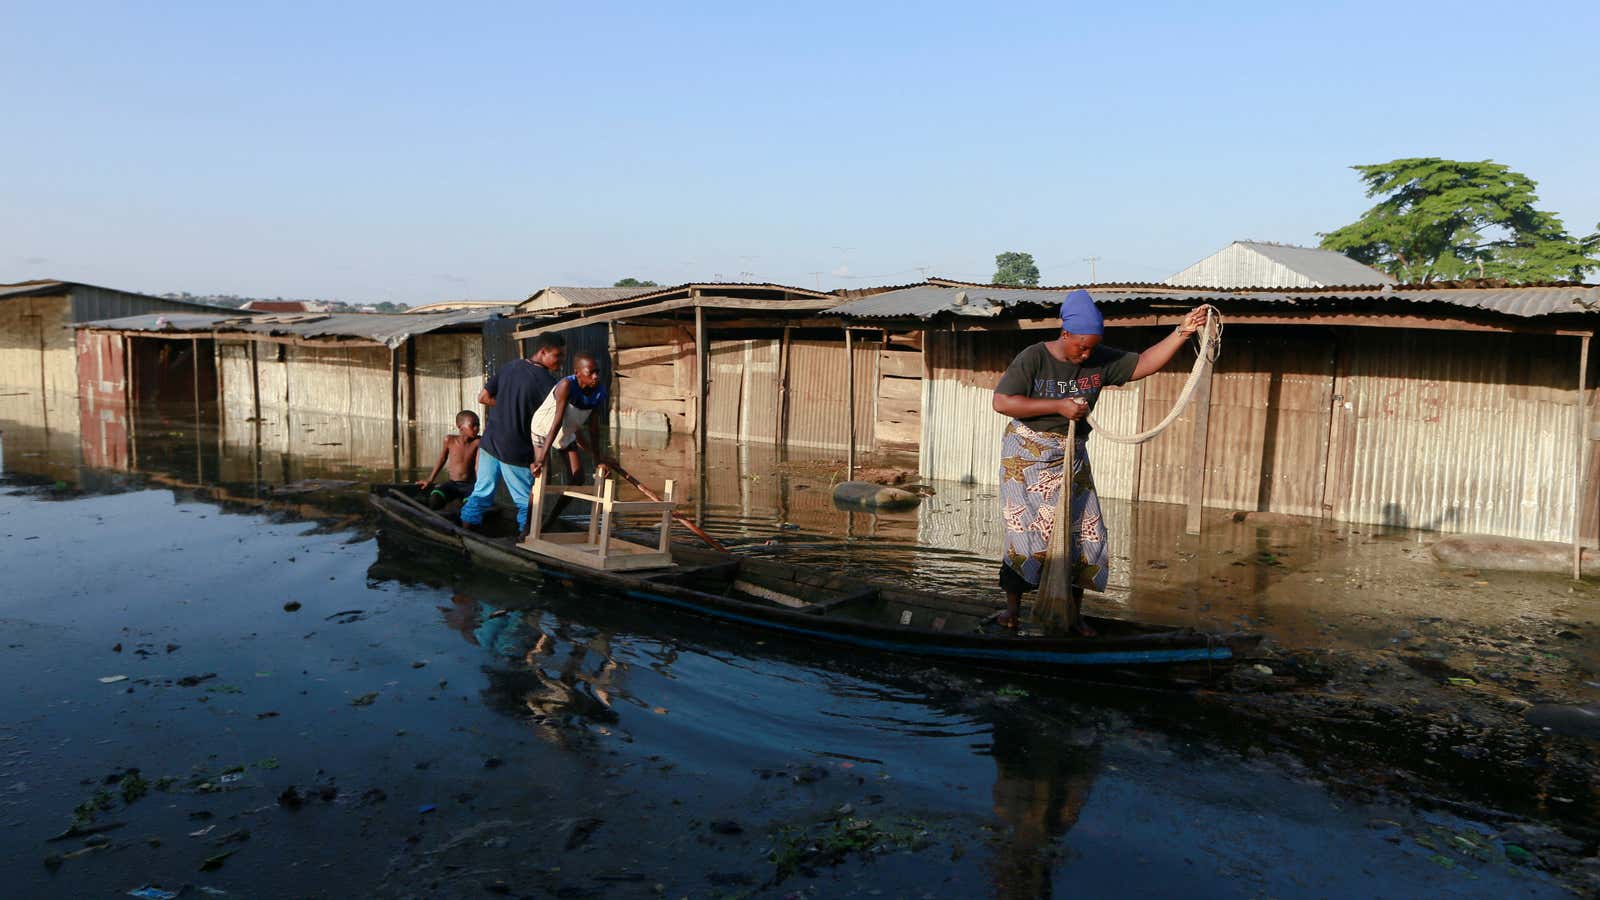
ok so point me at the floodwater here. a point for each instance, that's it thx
(316, 709)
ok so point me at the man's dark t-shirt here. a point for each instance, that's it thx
(1037, 374)
(518, 388)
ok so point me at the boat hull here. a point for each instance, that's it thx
(848, 612)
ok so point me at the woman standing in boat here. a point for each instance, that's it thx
(1048, 385)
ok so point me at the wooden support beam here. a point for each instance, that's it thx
(411, 380)
(255, 387)
(194, 366)
(1197, 454)
(614, 412)
(394, 406)
(850, 406)
(694, 299)
(1583, 459)
(701, 361)
(782, 426)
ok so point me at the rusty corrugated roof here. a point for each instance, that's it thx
(389, 329)
(986, 301)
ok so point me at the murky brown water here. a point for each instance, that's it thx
(622, 740)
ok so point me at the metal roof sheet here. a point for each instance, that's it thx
(47, 286)
(552, 297)
(172, 323)
(450, 305)
(927, 301)
(390, 329)
(1325, 267)
(1322, 268)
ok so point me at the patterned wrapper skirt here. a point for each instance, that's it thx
(1030, 476)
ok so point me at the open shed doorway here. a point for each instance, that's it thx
(170, 372)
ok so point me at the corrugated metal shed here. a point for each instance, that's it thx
(1262, 264)
(929, 301)
(93, 298)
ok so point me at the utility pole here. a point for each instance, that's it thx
(818, 278)
(1091, 260)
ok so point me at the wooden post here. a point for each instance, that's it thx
(411, 381)
(536, 506)
(1583, 460)
(850, 406)
(782, 429)
(194, 364)
(608, 493)
(1197, 453)
(255, 384)
(701, 360)
(594, 512)
(614, 412)
(394, 406)
(666, 520)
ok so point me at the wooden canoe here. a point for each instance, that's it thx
(826, 606)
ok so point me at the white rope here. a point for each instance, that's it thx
(1208, 348)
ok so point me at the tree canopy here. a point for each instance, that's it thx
(1443, 219)
(634, 282)
(1016, 269)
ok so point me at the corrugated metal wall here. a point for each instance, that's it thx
(448, 377)
(90, 304)
(102, 400)
(37, 349)
(725, 390)
(339, 380)
(817, 392)
(758, 410)
(1472, 434)
(1451, 432)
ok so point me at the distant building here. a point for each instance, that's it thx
(564, 298)
(1260, 264)
(453, 305)
(285, 306)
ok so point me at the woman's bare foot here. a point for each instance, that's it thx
(1081, 629)
(1007, 621)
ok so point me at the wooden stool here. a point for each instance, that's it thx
(598, 549)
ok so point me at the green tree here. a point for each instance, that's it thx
(1443, 219)
(634, 282)
(1016, 268)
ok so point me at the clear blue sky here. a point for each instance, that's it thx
(417, 153)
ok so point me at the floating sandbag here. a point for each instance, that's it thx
(866, 495)
(1482, 551)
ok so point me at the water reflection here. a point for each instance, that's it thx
(757, 498)
(561, 662)
(1041, 785)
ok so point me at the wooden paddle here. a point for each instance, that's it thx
(699, 533)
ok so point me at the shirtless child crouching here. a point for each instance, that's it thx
(460, 453)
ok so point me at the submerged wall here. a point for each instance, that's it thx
(1450, 431)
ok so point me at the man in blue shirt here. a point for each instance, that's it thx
(512, 394)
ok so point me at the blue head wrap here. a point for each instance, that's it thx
(1079, 314)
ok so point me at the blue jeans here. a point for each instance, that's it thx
(519, 481)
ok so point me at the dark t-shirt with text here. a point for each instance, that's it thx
(1037, 374)
(518, 388)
